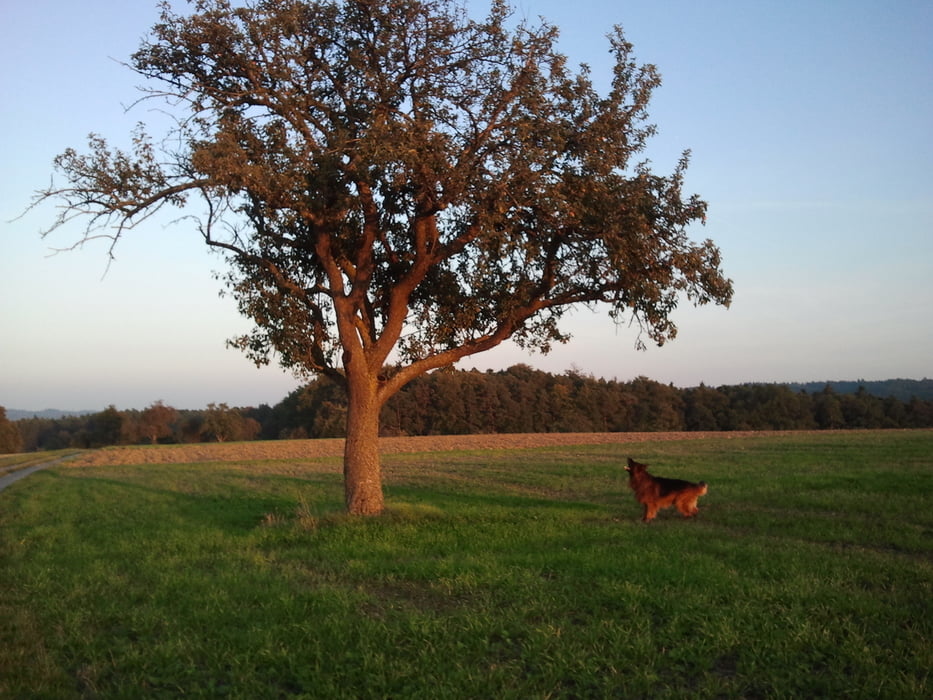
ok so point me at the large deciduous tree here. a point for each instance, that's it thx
(398, 186)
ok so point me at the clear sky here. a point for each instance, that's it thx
(811, 127)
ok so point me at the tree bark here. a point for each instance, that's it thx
(362, 468)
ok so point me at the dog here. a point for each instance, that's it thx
(656, 492)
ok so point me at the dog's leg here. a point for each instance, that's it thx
(683, 505)
(688, 507)
(694, 508)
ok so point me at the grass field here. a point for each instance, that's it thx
(494, 574)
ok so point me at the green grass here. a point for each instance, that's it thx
(507, 574)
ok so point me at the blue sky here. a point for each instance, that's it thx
(810, 128)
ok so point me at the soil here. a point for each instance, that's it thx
(309, 449)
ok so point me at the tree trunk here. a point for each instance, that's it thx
(362, 470)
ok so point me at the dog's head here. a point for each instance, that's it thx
(634, 468)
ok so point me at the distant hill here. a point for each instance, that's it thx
(901, 389)
(50, 413)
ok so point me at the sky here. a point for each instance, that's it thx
(809, 123)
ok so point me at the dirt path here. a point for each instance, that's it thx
(11, 477)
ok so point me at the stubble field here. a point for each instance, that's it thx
(310, 449)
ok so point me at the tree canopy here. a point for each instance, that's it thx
(10, 438)
(398, 186)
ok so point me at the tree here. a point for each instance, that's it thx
(391, 179)
(156, 421)
(704, 407)
(10, 438)
(827, 410)
(103, 428)
(222, 423)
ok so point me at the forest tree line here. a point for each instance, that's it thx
(517, 400)
(156, 424)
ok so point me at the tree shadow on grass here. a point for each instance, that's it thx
(221, 506)
(108, 509)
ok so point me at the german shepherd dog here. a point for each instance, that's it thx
(656, 492)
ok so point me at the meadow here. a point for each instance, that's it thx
(496, 573)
